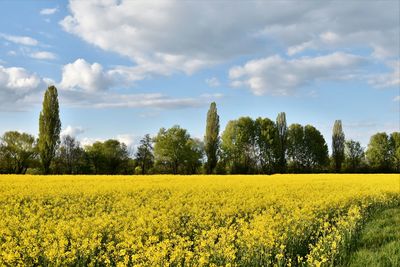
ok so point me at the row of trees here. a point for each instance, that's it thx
(246, 146)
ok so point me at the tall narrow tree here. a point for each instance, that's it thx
(211, 139)
(338, 145)
(49, 128)
(282, 131)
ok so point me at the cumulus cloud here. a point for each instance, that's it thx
(157, 37)
(48, 11)
(85, 85)
(213, 82)
(22, 40)
(278, 76)
(84, 76)
(72, 131)
(17, 85)
(89, 85)
(43, 55)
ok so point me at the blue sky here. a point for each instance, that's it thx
(127, 68)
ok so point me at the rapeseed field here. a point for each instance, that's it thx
(163, 220)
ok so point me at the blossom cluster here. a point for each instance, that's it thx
(163, 220)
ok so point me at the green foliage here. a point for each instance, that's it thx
(49, 128)
(268, 146)
(211, 139)
(296, 149)
(238, 145)
(70, 158)
(17, 152)
(394, 142)
(307, 149)
(338, 143)
(176, 152)
(109, 157)
(144, 155)
(250, 146)
(378, 152)
(354, 156)
(282, 132)
(316, 149)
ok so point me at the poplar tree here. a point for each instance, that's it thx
(282, 131)
(49, 128)
(338, 145)
(211, 139)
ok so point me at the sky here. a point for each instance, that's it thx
(127, 68)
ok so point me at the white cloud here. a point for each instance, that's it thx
(81, 75)
(157, 37)
(103, 100)
(87, 141)
(89, 85)
(292, 50)
(128, 139)
(72, 131)
(19, 87)
(12, 53)
(85, 85)
(43, 55)
(278, 76)
(213, 82)
(48, 11)
(390, 79)
(22, 40)
(329, 37)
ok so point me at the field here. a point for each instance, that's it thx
(281, 220)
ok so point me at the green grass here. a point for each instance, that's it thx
(379, 241)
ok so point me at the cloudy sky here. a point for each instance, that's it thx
(127, 68)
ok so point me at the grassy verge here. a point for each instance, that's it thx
(379, 241)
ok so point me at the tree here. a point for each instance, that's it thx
(211, 139)
(174, 150)
(295, 147)
(267, 145)
(239, 147)
(108, 157)
(354, 155)
(307, 149)
(18, 150)
(49, 128)
(116, 155)
(316, 149)
(394, 143)
(70, 157)
(338, 145)
(378, 152)
(282, 132)
(144, 155)
(195, 154)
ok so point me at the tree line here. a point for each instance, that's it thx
(246, 146)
